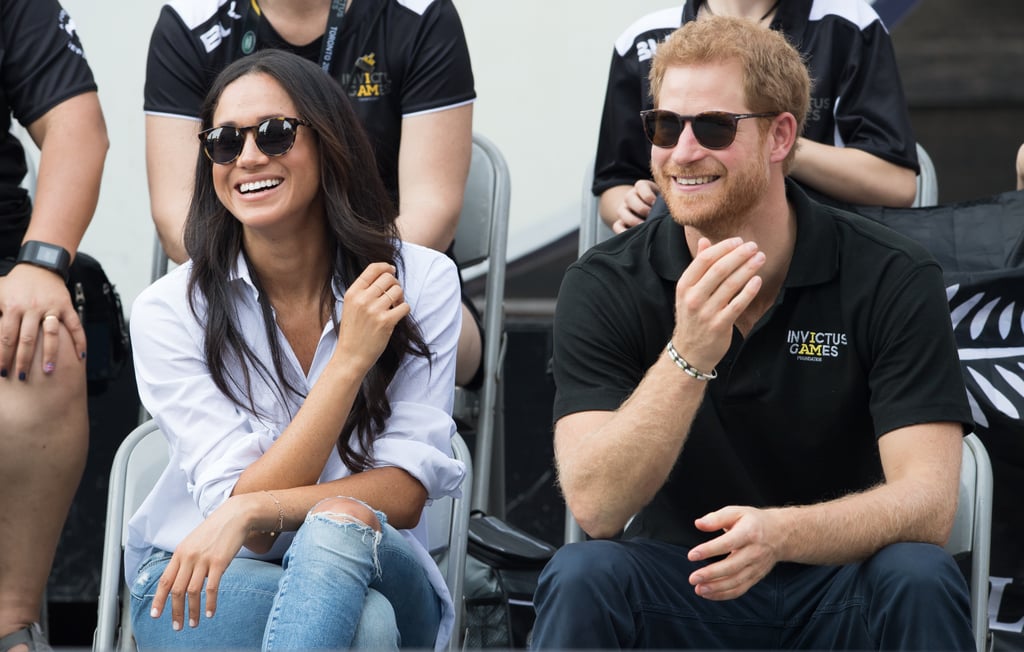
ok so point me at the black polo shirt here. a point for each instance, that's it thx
(857, 344)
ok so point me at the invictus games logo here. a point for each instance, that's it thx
(366, 82)
(813, 346)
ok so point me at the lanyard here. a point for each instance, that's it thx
(335, 17)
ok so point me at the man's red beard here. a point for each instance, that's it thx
(718, 212)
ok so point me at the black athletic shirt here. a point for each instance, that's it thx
(41, 65)
(413, 52)
(856, 96)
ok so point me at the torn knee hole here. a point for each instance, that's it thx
(348, 510)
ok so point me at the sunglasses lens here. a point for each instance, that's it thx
(714, 130)
(223, 144)
(663, 128)
(276, 136)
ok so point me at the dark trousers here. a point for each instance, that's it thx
(636, 593)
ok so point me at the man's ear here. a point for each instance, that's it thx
(782, 135)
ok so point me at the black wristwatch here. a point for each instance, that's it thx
(45, 255)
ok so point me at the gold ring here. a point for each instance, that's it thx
(51, 317)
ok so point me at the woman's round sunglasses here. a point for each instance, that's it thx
(274, 137)
(712, 129)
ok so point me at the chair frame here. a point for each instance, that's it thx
(113, 623)
(482, 239)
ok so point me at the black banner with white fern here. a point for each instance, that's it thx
(980, 245)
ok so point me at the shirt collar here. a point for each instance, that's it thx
(790, 17)
(815, 255)
(240, 273)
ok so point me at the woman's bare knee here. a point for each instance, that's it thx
(347, 510)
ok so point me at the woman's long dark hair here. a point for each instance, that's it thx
(360, 229)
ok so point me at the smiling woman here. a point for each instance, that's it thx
(302, 365)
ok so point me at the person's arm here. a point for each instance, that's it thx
(433, 163)
(72, 138)
(622, 207)
(853, 175)
(610, 464)
(172, 146)
(1020, 168)
(916, 502)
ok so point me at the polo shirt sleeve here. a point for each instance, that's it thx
(872, 114)
(175, 83)
(438, 74)
(623, 153)
(596, 336)
(43, 63)
(915, 375)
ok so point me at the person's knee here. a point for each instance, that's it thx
(581, 572)
(347, 510)
(377, 628)
(914, 568)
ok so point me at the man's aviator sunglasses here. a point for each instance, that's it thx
(274, 137)
(712, 129)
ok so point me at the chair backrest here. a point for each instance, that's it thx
(448, 537)
(972, 530)
(138, 463)
(927, 180)
(481, 240)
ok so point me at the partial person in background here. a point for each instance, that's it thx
(759, 407)
(406, 70)
(1020, 168)
(857, 146)
(44, 423)
(301, 366)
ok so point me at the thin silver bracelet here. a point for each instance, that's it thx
(686, 366)
(280, 515)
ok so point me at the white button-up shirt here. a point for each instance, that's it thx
(212, 440)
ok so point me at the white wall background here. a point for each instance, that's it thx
(540, 68)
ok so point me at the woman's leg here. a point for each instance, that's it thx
(246, 594)
(343, 550)
(42, 454)
(327, 573)
(246, 597)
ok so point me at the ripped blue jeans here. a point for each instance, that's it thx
(340, 585)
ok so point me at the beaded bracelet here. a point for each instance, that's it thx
(280, 515)
(686, 366)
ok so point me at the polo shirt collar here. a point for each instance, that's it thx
(815, 255)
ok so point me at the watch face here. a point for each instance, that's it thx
(48, 255)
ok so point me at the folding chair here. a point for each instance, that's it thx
(972, 530)
(140, 460)
(927, 181)
(480, 242)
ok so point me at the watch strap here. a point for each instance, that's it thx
(48, 256)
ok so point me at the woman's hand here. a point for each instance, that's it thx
(32, 298)
(204, 555)
(373, 304)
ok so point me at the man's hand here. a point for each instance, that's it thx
(636, 205)
(749, 544)
(32, 298)
(712, 293)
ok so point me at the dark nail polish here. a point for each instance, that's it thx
(21, 375)
(83, 355)
(3, 373)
